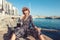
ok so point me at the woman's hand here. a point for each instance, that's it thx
(38, 30)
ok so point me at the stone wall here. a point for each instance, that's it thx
(4, 21)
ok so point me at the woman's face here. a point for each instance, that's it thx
(26, 12)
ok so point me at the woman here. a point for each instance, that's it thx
(28, 26)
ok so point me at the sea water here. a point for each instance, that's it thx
(49, 24)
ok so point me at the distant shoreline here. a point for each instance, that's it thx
(47, 18)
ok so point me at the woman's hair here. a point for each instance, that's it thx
(25, 9)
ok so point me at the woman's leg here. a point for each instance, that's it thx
(13, 37)
(41, 37)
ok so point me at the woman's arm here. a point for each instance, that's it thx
(37, 29)
(40, 35)
(31, 21)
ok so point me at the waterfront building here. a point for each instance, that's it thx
(7, 8)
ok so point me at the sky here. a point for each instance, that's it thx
(38, 7)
